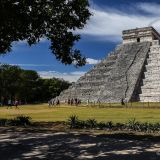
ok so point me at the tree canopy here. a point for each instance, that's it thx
(55, 20)
(27, 86)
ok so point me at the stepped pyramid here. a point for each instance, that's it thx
(131, 71)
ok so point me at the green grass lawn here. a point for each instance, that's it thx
(42, 113)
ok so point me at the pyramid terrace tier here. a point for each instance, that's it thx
(153, 60)
(153, 74)
(151, 90)
(150, 86)
(153, 67)
(151, 98)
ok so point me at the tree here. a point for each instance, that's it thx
(27, 86)
(9, 81)
(55, 20)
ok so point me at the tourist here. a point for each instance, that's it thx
(99, 102)
(126, 102)
(69, 101)
(122, 102)
(72, 101)
(52, 102)
(9, 103)
(49, 103)
(76, 101)
(57, 102)
(87, 101)
(16, 104)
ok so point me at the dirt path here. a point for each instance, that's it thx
(18, 145)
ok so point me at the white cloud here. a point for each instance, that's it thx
(32, 65)
(152, 8)
(42, 40)
(109, 23)
(92, 61)
(71, 77)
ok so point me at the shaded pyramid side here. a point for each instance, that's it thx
(116, 77)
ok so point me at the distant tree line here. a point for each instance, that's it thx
(27, 86)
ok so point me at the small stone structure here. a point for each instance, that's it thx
(130, 72)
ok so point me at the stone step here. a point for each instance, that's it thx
(151, 72)
(154, 55)
(150, 60)
(155, 42)
(155, 49)
(149, 99)
(150, 86)
(154, 52)
(150, 95)
(148, 91)
(151, 79)
(149, 83)
(150, 68)
(153, 59)
(154, 71)
(157, 64)
(153, 62)
(149, 75)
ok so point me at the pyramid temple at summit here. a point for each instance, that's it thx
(131, 72)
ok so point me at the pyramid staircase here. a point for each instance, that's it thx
(150, 89)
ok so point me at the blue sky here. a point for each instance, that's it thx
(100, 36)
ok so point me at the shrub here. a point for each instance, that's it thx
(119, 126)
(132, 125)
(73, 121)
(101, 125)
(91, 123)
(20, 121)
(3, 122)
(109, 125)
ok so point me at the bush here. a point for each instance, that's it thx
(20, 121)
(109, 125)
(131, 125)
(101, 125)
(73, 121)
(91, 123)
(3, 122)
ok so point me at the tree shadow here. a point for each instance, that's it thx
(68, 146)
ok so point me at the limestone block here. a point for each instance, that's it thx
(155, 42)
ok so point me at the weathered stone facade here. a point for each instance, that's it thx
(122, 73)
(150, 89)
(140, 35)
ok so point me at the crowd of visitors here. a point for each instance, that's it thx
(73, 101)
(10, 103)
(54, 102)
